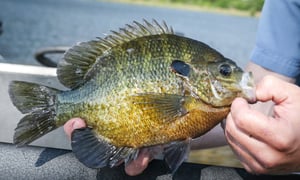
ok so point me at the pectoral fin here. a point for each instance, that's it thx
(96, 152)
(166, 107)
(176, 153)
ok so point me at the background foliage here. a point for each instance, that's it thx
(252, 6)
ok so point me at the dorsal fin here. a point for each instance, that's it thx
(73, 70)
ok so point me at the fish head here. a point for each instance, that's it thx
(228, 81)
(217, 83)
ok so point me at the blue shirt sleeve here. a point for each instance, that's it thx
(277, 45)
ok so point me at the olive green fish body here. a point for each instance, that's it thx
(140, 87)
(137, 67)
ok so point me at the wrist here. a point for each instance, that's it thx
(259, 72)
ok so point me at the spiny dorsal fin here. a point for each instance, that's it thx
(77, 62)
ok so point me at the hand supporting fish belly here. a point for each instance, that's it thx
(138, 88)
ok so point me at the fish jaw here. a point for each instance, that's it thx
(247, 86)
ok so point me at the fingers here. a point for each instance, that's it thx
(271, 88)
(255, 155)
(259, 158)
(246, 158)
(255, 138)
(137, 166)
(72, 124)
(250, 122)
(254, 124)
(265, 144)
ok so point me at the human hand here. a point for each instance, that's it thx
(267, 144)
(138, 165)
(133, 168)
(72, 124)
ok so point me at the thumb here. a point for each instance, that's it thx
(72, 124)
(272, 88)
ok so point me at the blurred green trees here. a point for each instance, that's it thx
(252, 6)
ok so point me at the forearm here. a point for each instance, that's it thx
(259, 72)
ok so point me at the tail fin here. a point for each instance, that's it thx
(38, 103)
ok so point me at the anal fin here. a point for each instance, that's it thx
(96, 152)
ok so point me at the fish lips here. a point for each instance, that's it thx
(247, 86)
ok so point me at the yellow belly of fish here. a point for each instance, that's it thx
(129, 127)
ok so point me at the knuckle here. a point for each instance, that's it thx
(239, 122)
(269, 164)
(268, 80)
(256, 170)
(259, 171)
(284, 144)
(242, 122)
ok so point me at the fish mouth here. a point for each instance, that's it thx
(247, 86)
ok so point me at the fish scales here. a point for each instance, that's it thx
(114, 119)
(141, 87)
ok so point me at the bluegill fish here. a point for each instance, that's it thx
(142, 86)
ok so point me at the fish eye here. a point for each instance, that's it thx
(225, 69)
